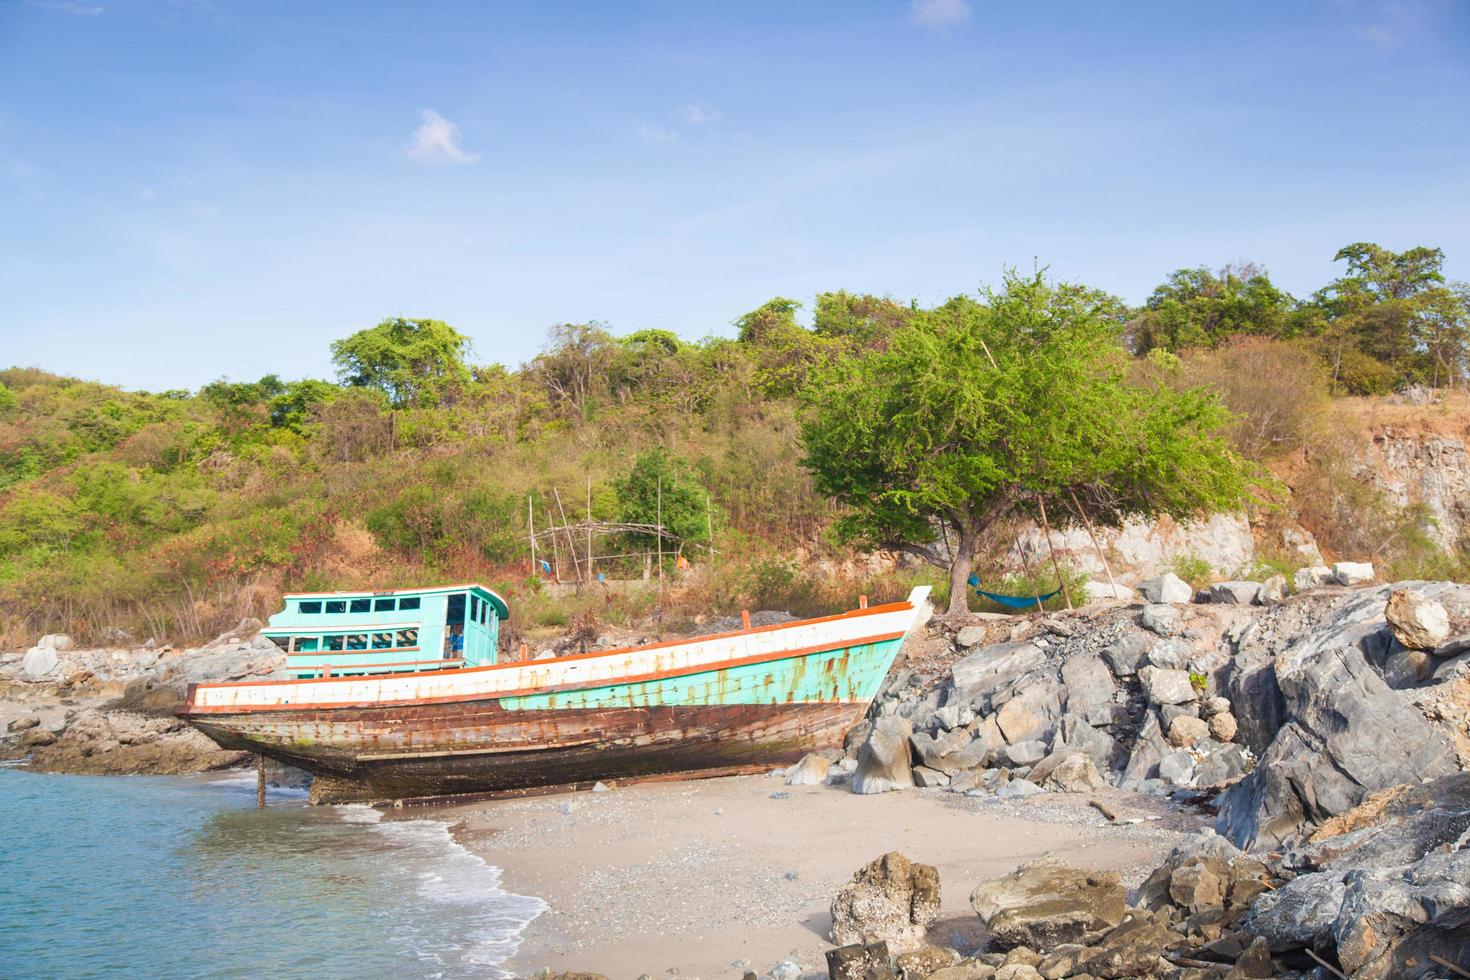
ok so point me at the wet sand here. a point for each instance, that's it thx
(708, 878)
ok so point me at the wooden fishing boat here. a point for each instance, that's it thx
(399, 694)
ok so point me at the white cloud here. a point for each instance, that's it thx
(696, 113)
(437, 141)
(939, 14)
(66, 7)
(654, 134)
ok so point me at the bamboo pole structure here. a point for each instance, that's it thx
(1087, 522)
(590, 575)
(571, 541)
(1026, 560)
(660, 537)
(1051, 550)
(531, 530)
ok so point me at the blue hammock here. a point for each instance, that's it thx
(1011, 601)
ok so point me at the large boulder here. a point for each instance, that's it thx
(883, 761)
(1353, 572)
(1234, 593)
(992, 667)
(1418, 622)
(39, 662)
(893, 900)
(1347, 733)
(810, 771)
(1166, 588)
(1311, 577)
(1047, 902)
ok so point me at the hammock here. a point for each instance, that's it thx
(1012, 601)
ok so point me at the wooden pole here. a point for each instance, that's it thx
(1051, 550)
(590, 575)
(660, 536)
(531, 532)
(1100, 556)
(567, 530)
(260, 781)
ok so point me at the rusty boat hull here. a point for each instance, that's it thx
(756, 697)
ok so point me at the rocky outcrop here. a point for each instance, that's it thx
(104, 742)
(892, 900)
(1346, 732)
(883, 762)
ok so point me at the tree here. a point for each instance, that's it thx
(980, 410)
(661, 489)
(784, 350)
(575, 366)
(290, 408)
(1200, 308)
(862, 319)
(412, 361)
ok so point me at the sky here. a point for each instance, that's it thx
(199, 189)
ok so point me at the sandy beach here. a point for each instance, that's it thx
(708, 878)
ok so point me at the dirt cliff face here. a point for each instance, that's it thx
(1424, 463)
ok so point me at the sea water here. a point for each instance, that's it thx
(151, 876)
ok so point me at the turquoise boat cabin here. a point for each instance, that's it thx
(354, 633)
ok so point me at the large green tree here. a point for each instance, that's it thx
(980, 410)
(1201, 308)
(412, 361)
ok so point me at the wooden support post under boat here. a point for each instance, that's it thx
(260, 781)
(1061, 583)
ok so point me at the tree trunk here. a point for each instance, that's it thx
(959, 571)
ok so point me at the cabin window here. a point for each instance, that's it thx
(303, 644)
(408, 602)
(384, 605)
(311, 608)
(408, 638)
(474, 609)
(284, 642)
(338, 606)
(334, 643)
(357, 641)
(361, 605)
(382, 641)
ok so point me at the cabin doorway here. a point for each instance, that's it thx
(454, 627)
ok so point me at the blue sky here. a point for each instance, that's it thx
(197, 189)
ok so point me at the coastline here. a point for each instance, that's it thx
(712, 877)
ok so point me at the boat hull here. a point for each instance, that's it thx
(477, 747)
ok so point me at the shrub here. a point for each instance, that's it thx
(1193, 569)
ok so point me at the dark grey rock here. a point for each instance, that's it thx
(1124, 655)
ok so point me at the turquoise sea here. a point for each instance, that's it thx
(148, 876)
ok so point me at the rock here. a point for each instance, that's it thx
(1165, 686)
(1061, 961)
(787, 969)
(1026, 753)
(922, 963)
(972, 756)
(1222, 727)
(1186, 731)
(1168, 588)
(1017, 721)
(22, 724)
(1134, 948)
(1046, 902)
(37, 737)
(1101, 591)
(992, 667)
(39, 662)
(1273, 591)
(1017, 971)
(1160, 618)
(1346, 733)
(1076, 774)
(883, 761)
(893, 900)
(972, 969)
(1016, 789)
(1220, 765)
(1234, 593)
(1088, 684)
(1419, 623)
(56, 641)
(1170, 654)
(812, 770)
(1352, 572)
(1199, 885)
(1022, 955)
(929, 778)
(1210, 707)
(113, 742)
(1177, 767)
(1254, 964)
(1124, 655)
(1312, 577)
(970, 636)
(948, 717)
(856, 961)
